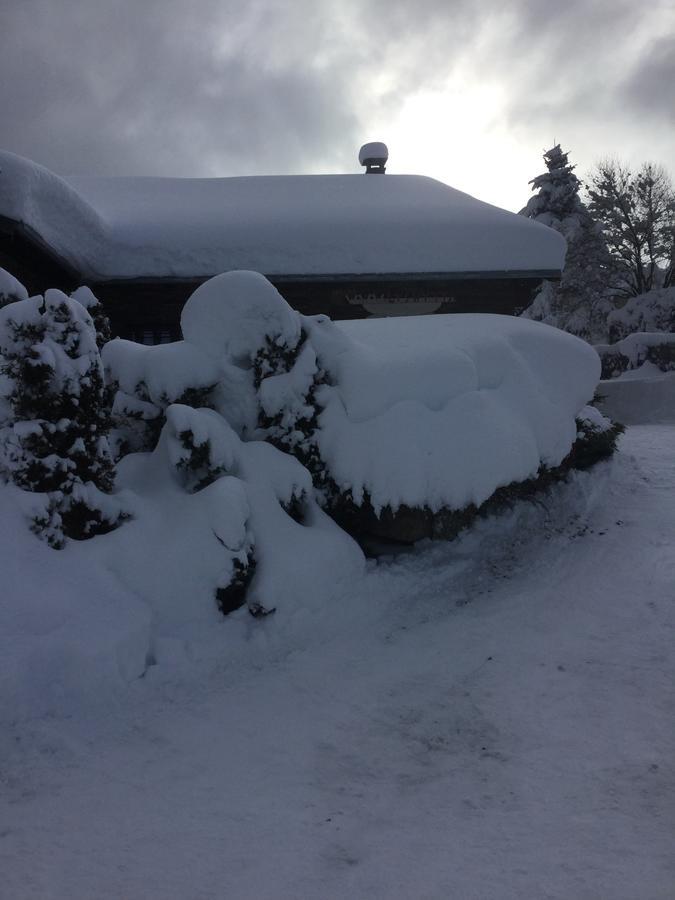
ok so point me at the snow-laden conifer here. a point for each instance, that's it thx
(99, 317)
(54, 415)
(581, 302)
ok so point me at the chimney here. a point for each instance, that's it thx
(374, 157)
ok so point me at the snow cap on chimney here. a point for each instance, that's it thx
(374, 157)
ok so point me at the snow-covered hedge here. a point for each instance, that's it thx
(654, 311)
(657, 348)
(430, 413)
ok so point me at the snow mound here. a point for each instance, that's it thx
(165, 370)
(235, 313)
(72, 636)
(193, 527)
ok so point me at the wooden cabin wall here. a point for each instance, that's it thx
(150, 311)
(36, 270)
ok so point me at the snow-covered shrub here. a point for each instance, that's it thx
(655, 348)
(200, 445)
(597, 437)
(11, 289)
(99, 317)
(247, 490)
(398, 417)
(146, 380)
(393, 418)
(243, 324)
(654, 311)
(54, 419)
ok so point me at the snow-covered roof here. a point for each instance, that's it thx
(303, 225)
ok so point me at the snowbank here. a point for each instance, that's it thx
(77, 626)
(71, 634)
(280, 225)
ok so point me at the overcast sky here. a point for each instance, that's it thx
(469, 91)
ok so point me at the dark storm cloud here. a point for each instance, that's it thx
(206, 87)
(165, 87)
(650, 88)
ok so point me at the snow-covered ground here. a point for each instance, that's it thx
(491, 718)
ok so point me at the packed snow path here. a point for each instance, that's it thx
(489, 719)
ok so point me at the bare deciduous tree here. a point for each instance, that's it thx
(637, 213)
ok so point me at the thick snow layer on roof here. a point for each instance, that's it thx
(45, 203)
(279, 225)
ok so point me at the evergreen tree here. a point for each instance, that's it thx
(94, 307)
(54, 417)
(581, 301)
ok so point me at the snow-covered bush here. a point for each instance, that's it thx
(653, 311)
(99, 317)
(246, 491)
(632, 352)
(393, 415)
(393, 418)
(54, 420)
(597, 437)
(145, 381)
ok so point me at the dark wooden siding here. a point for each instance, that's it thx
(139, 310)
(25, 258)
